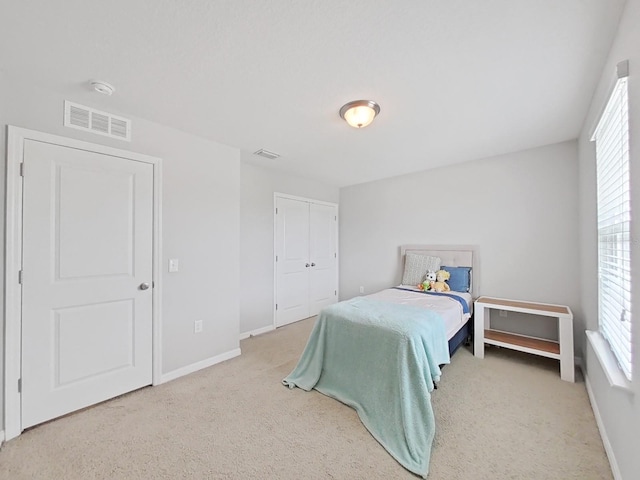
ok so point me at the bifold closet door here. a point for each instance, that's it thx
(306, 259)
(323, 256)
(292, 261)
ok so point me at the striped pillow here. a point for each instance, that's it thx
(416, 266)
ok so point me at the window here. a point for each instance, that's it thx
(614, 221)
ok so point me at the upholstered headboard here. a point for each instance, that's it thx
(451, 255)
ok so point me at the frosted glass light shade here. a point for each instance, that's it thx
(360, 113)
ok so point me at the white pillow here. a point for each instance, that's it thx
(416, 266)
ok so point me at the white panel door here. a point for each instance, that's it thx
(292, 265)
(323, 255)
(87, 253)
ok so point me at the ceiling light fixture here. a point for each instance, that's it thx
(359, 113)
(102, 87)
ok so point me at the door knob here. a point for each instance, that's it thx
(306, 265)
(144, 286)
(313, 264)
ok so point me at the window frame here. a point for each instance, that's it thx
(611, 342)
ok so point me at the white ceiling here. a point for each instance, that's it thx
(456, 80)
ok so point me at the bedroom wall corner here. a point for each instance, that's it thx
(520, 209)
(258, 184)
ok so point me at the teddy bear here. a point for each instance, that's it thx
(440, 284)
(429, 279)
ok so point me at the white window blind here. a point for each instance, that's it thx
(614, 221)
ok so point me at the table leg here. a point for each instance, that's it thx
(478, 331)
(565, 337)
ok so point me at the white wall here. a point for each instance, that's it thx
(619, 411)
(201, 199)
(3, 133)
(519, 209)
(256, 237)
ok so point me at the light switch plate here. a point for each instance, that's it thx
(173, 265)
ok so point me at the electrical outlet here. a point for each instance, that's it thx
(503, 313)
(173, 265)
(361, 289)
(197, 326)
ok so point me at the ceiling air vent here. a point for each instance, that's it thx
(266, 154)
(91, 120)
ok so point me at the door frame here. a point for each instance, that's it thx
(16, 137)
(277, 195)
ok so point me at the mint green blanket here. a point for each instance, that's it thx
(382, 360)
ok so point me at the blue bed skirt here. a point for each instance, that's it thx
(460, 337)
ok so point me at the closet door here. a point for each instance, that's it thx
(306, 258)
(292, 260)
(323, 220)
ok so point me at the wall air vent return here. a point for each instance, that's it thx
(266, 154)
(91, 120)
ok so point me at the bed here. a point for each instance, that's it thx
(381, 354)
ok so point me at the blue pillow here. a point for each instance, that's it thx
(460, 280)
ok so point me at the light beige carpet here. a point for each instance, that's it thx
(508, 416)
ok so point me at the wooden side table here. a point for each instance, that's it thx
(561, 350)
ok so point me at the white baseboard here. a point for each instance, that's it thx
(194, 367)
(578, 362)
(603, 433)
(257, 331)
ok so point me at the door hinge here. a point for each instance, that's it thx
(335, 218)
(335, 292)
(335, 255)
(22, 169)
(276, 211)
(276, 258)
(19, 385)
(276, 306)
(20, 277)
